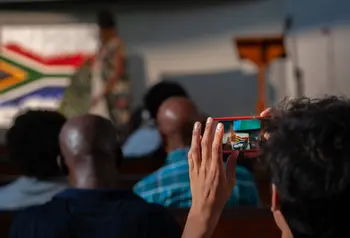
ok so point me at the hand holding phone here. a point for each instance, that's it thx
(242, 133)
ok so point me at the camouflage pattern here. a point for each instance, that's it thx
(77, 96)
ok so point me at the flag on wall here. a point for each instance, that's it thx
(33, 75)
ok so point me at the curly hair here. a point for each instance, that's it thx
(309, 157)
(160, 92)
(32, 143)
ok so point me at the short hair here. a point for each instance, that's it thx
(308, 152)
(32, 143)
(160, 92)
(105, 20)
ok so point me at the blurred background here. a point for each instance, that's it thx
(43, 43)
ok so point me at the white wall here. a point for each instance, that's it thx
(324, 57)
(192, 42)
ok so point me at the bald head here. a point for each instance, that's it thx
(88, 136)
(175, 113)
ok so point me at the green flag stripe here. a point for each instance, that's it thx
(32, 75)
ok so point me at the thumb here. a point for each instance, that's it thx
(231, 170)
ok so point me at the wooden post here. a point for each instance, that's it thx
(261, 51)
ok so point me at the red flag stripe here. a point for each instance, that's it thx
(75, 60)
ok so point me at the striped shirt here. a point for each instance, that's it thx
(170, 185)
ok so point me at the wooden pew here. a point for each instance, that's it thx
(5, 223)
(240, 223)
(144, 165)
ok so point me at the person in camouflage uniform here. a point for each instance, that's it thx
(110, 86)
(100, 86)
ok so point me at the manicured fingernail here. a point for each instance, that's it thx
(196, 126)
(209, 119)
(219, 127)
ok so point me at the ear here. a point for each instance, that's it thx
(62, 165)
(275, 205)
(279, 219)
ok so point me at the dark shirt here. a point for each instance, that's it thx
(76, 213)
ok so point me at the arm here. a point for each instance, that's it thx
(199, 225)
(211, 182)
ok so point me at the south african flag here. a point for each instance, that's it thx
(28, 79)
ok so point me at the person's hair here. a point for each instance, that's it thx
(308, 152)
(105, 20)
(160, 92)
(32, 143)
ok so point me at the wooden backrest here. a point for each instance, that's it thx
(144, 165)
(240, 223)
(5, 223)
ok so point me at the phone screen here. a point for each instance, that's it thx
(241, 134)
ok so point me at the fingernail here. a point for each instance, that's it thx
(219, 127)
(209, 119)
(196, 125)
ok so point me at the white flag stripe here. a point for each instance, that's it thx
(30, 63)
(33, 86)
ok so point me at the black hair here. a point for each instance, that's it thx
(309, 157)
(161, 92)
(32, 143)
(105, 20)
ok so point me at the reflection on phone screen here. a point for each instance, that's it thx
(241, 134)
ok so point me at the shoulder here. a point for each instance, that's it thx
(157, 221)
(38, 221)
(38, 212)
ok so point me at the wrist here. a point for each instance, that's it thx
(199, 224)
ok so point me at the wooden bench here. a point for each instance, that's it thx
(5, 223)
(240, 223)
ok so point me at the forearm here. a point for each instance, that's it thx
(199, 225)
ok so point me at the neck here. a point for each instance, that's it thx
(90, 179)
(175, 143)
(109, 36)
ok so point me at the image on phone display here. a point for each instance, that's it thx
(241, 134)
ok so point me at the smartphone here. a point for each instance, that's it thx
(243, 134)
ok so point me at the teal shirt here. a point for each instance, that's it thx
(170, 185)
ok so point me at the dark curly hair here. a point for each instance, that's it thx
(308, 152)
(160, 92)
(32, 143)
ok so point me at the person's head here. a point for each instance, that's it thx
(91, 151)
(160, 92)
(309, 157)
(107, 25)
(175, 121)
(32, 143)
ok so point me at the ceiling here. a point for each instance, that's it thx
(121, 5)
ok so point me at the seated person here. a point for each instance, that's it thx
(146, 139)
(170, 185)
(95, 206)
(32, 146)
